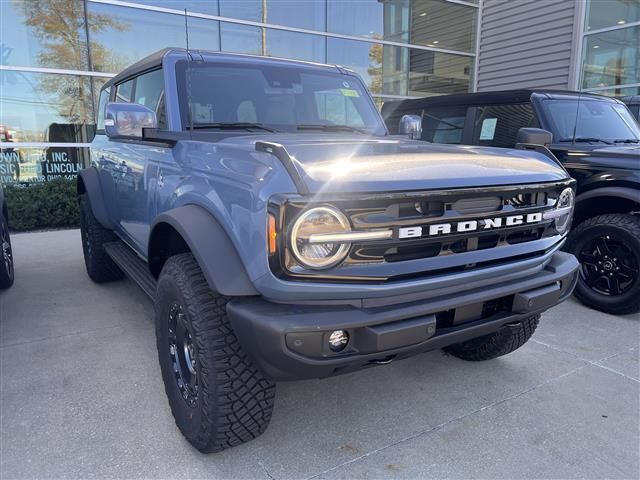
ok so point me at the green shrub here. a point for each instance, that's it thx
(52, 204)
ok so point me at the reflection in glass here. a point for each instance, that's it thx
(394, 70)
(388, 20)
(135, 33)
(300, 46)
(241, 38)
(46, 33)
(309, 14)
(612, 58)
(611, 13)
(243, 9)
(209, 7)
(33, 102)
(36, 165)
(440, 24)
(438, 73)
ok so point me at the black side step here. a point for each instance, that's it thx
(133, 266)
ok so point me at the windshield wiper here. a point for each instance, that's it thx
(584, 140)
(627, 140)
(329, 128)
(232, 126)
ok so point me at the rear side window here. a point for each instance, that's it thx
(498, 125)
(148, 90)
(102, 103)
(443, 124)
(124, 91)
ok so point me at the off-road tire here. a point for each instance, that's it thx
(6, 264)
(100, 267)
(506, 340)
(234, 401)
(624, 230)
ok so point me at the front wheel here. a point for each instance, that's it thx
(509, 338)
(218, 397)
(608, 249)
(6, 255)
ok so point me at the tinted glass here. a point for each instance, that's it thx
(596, 119)
(611, 13)
(46, 33)
(244, 9)
(149, 89)
(300, 46)
(309, 14)
(443, 124)
(612, 58)
(370, 18)
(102, 103)
(498, 125)
(241, 38)
(124, 91)
(440, 24)
(130, 34)
(39, 107)
(201, 6)
(279, 97)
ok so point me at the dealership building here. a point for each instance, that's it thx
(56, 54)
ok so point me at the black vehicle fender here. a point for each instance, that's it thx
(89, 182)
(208, 242)
(620, 192)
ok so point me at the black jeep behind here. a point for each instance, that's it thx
(597, 140)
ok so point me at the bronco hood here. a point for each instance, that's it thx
(345, 163)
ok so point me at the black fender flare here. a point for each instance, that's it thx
(210, 245)
(620, 192)
(89, 182)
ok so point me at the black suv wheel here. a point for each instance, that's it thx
(99, 265)
(608, 249)
(6, 255)
(509, 338)
(217, 396)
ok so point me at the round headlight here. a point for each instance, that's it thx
(315, 222)
(565, 202)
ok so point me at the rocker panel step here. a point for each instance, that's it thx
(133, 266)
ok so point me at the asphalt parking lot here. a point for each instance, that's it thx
(81, 396)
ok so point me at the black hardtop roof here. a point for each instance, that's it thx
(155, 60)
(488, 98)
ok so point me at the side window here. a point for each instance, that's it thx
(102, 103)
(149, 91)
(124, 91)
(498, 125)
(336, 107)
(443, 124)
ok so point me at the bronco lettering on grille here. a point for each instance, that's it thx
(469, 225)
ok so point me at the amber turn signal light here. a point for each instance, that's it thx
(272, 235)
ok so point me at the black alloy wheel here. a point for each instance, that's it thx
(608, 249)
(182, 353)
(608, 266)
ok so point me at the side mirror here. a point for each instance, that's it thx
(126, 120)
(411, 125)
(534, 136)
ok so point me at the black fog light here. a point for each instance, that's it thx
(338, 340)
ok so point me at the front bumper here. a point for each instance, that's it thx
(289, 341)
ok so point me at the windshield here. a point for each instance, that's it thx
(597, 120)
(275, 98)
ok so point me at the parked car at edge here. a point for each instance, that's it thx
(633, 104)
(284, 235)
(602, 153)
(6, 261)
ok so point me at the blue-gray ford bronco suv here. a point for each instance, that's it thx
(283, 234)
